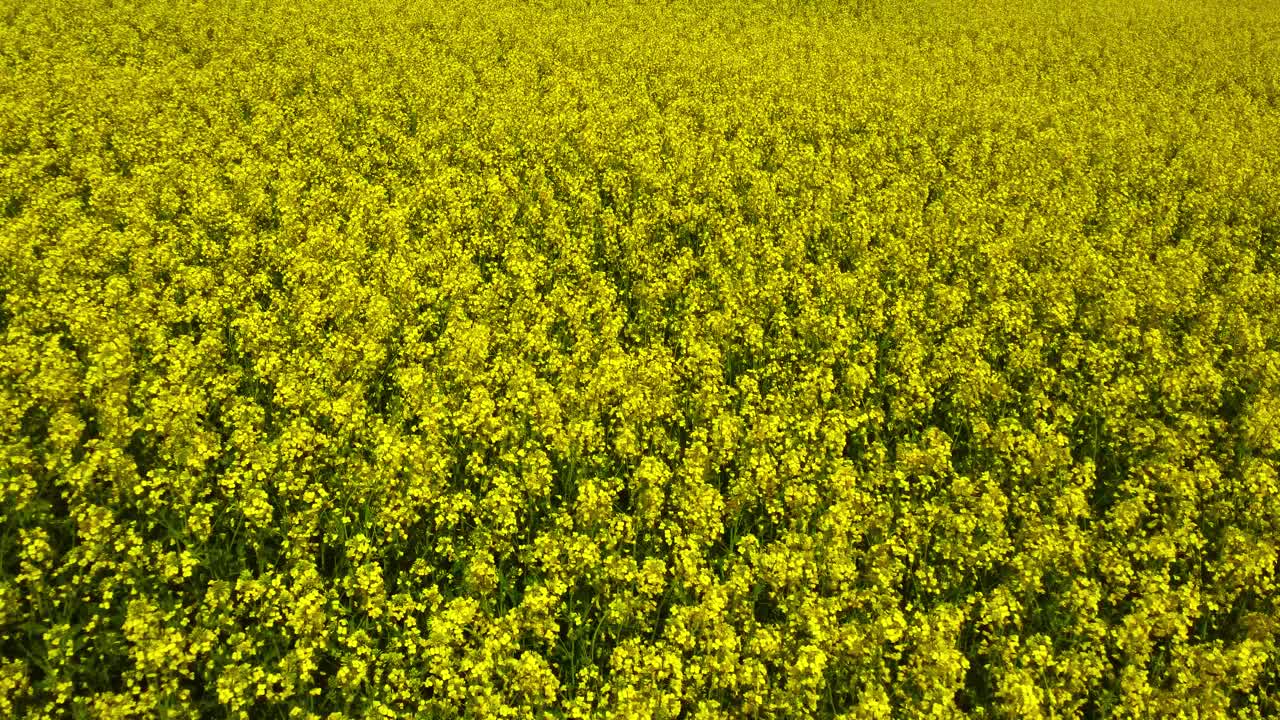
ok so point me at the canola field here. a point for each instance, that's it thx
(672, 359)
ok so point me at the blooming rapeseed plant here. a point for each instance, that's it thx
(651, 359)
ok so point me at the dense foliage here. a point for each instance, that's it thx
(641, 359)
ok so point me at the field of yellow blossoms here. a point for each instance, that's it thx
(672, 359)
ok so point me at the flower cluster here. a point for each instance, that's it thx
(646, 359)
